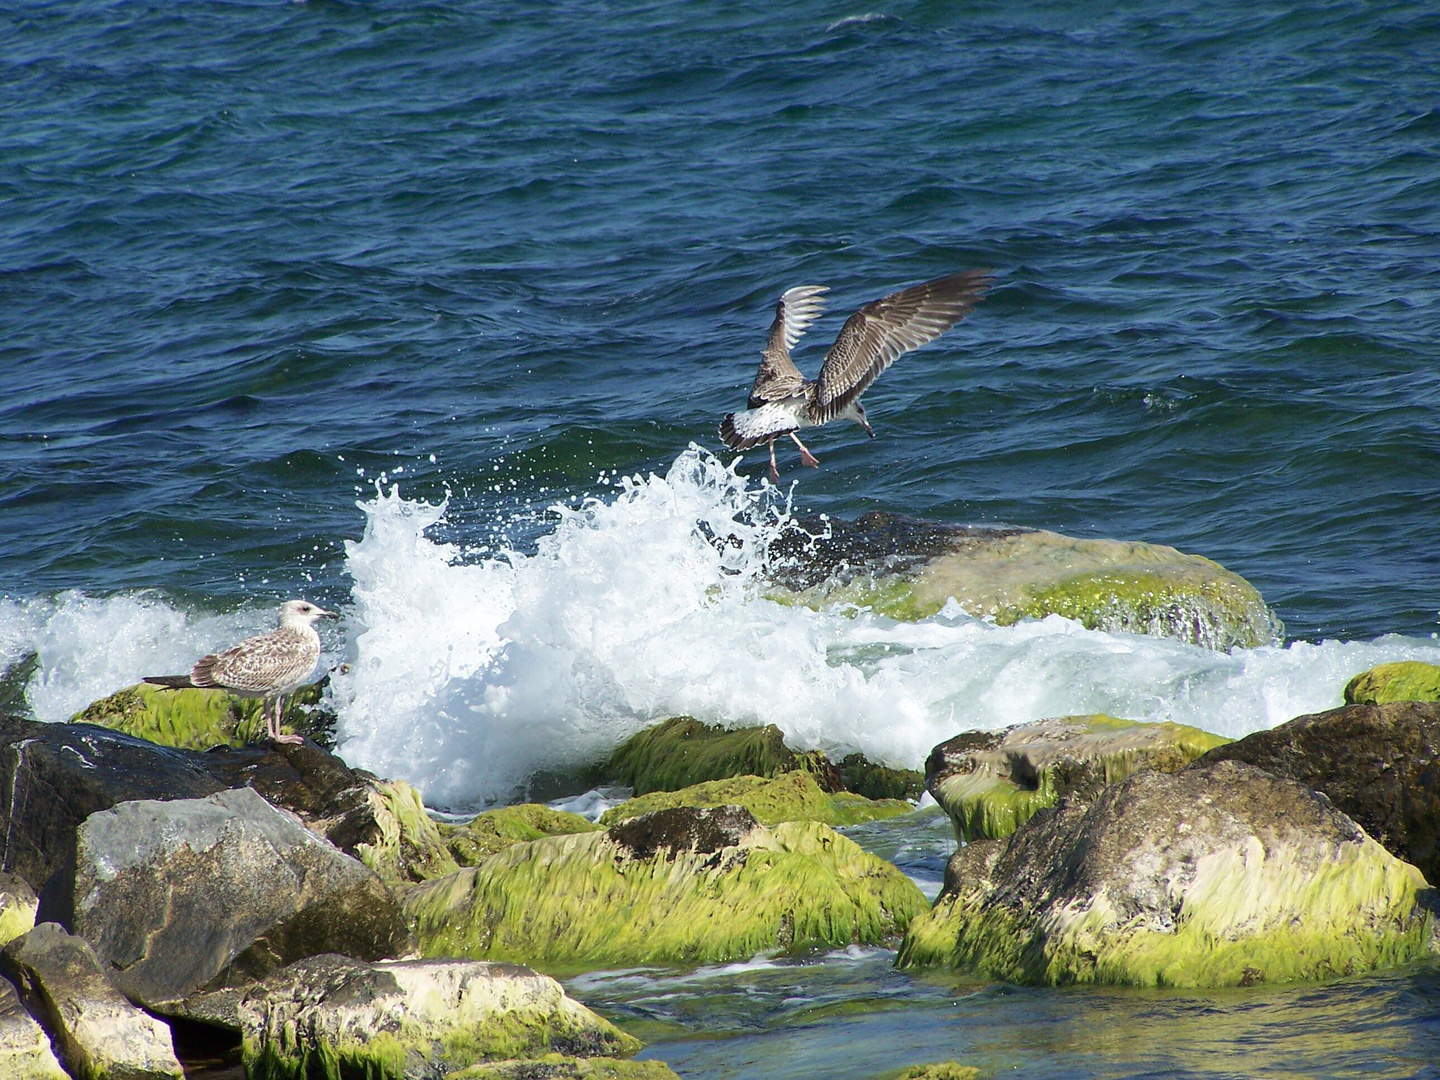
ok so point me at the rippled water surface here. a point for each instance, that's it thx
(262, 262)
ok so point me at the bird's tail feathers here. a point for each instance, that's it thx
(170, 682)
(754, 427)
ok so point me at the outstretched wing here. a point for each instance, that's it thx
(875, 336)
(778, 378)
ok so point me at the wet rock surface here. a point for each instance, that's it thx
(684, 828)
(1380, 764)
(1220, 874)
(182, 895)
(25, 1050)
(101, 1035)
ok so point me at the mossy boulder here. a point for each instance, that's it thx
(788, 797)
(1380, 764)
(1220, 875)
(992, 782)
(908, 570)
(333, 1017)
(680, 886)
(410, 845)
(559, 1067)
(683, 752)
(1407, 680)
(942, 1070)
(495, 830)
(200, 719)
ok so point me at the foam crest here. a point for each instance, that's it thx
(470, 677)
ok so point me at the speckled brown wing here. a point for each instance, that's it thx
(778, 378)
(265, 664)
(875, 336)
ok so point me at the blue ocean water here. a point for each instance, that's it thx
(261, 261)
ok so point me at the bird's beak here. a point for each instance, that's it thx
(323, 614)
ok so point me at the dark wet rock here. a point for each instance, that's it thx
(684, 828)
(57, 775)
(333, 1014)
(908, 569)
(991, 782)
(183, 895)
(101, 1036)
(25, 1050)
(1220, 874)
(1380, 764)
(1407, 680)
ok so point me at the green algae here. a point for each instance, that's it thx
(201, 719)
(580, 902)
(410, 846)
(1406, 680)
(682, 752)
(17, 916)
(495, 830)
(560, 1067)
(793, 796)
(942, 1070)
(863, 777)
(1073, 754)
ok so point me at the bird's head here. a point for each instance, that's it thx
(299, 613)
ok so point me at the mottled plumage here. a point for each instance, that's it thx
(270, 666)
(782, 400)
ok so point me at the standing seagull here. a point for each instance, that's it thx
(782, 400)
(270, 666)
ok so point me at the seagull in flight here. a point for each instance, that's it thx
(782, 401)
(270, 666)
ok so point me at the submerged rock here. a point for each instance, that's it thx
(18, 904)
(681, 886)
(1380, 764)
(908, 569)
(1407, 680)
(336, 1016)
(992, 782)
(942, 1070)
(559, 1067)
(200, 719)
(495, 830)
(25, 1051)
(185, 895)
(788, 797)
(101, 1035)
(1218, 875)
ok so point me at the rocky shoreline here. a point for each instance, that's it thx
(268, 906)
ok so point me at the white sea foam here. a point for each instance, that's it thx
(468, 678)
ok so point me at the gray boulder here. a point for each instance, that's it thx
(420, 1019)
(101, 1035)
(1378, 763)
(184, 895)
(25, 1051)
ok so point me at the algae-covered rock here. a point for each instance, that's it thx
(25, 1051)
(1407, 680)
(331, 1016)
(681, 886)
(942, 1070)
(788, 797)
(409, 845)
(559, 1067)
(863, 777)
(908, 570)
(18, 904)
(200, 719)
(1219, 875)
(683, 752)
(495, 830)
(991, 782)
(1380, 764)
(100, 1035)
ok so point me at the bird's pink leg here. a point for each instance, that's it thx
(774, 470)
(806, 458)
(275, 732)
